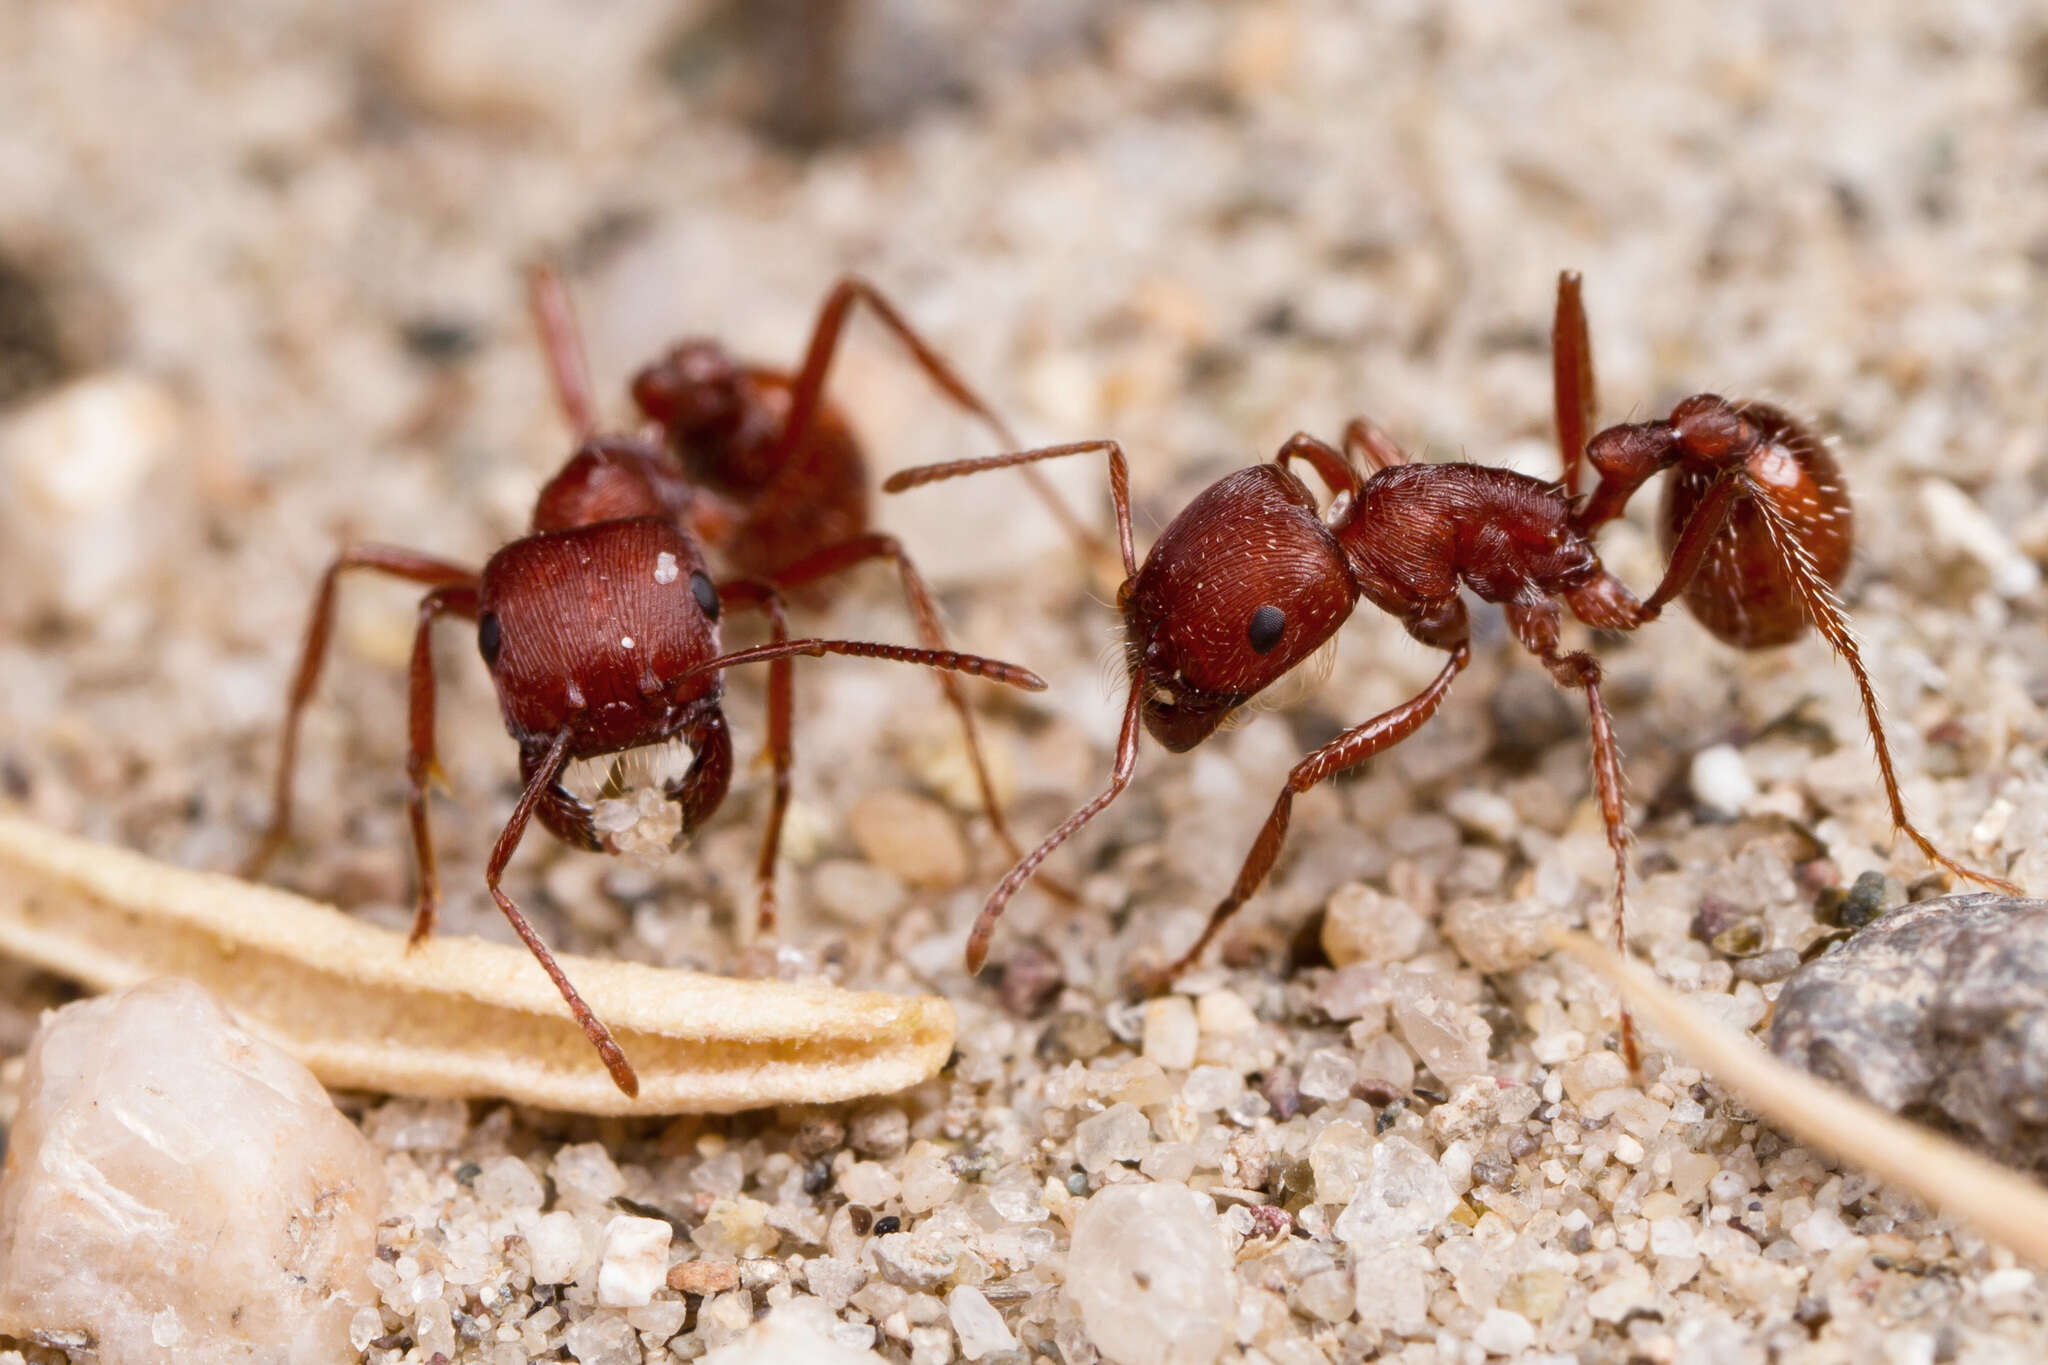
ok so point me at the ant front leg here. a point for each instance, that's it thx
(417, 568)
(545, 768)
(1119, 778)
(421, 766)
(807, 395)
(1535, 624)
(931, 633)
(781, 749)
(1347, 750)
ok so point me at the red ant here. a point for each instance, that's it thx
(600, 627)
(1251, 579)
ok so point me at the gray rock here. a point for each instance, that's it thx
(1938, 1010)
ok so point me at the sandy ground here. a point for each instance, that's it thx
(284, 241)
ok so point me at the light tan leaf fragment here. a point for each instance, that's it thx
(454, 1016)
(2002, 1204)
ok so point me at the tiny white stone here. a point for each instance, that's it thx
(554, 1247)
(665, 570)
(1721, 780)
(1503, 1333)
(625, 642)
(1170, 1032)
(2009, 1283)
(634, 1262)
(979, 1326)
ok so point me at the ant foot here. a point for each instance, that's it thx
(422, 923)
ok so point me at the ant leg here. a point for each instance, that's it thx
(1571, 374)
(421, 766)
(546, 768)
(1536, 625)
(1696, 539)
(1347, 750)
(1332, 468)
(925, 612)
(807, 394)
(1365, 440)
(1829, 618)
(406, 564)
(554, 317)
(1119, 481)
(781, 747)
(1119, 778)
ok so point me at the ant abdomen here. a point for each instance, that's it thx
(1793, 502)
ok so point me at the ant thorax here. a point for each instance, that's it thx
(1419, 532)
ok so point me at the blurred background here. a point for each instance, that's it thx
(260, 292)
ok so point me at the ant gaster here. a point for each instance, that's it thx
(600, 628)
(1251, 579)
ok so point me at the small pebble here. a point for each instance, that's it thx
(978, 1325)
(703, 1277)
(910, 836)
(856, 892)
(1171, 1035)
(1119, 1133)
(633, 1262)
(1224, 1014)
(881, 1131)
(1721, 782)
(1502, 1333)
(1364, 925)
(1149, 1271)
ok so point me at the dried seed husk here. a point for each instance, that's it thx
(454, 1016)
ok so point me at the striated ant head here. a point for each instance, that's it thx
(1245, 584)
(695, 392)
(595, 629)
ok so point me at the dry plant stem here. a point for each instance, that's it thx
(2002, 1204)
(452, 1016)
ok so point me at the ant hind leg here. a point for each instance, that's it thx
(1536, 626)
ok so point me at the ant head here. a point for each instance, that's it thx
(595, 629)
(1244, 585)
(695, 392)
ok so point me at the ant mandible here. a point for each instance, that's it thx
(600, 630)
(1251, 579)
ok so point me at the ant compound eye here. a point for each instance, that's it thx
(487, 639)
(706, 595)
(1264, 632)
